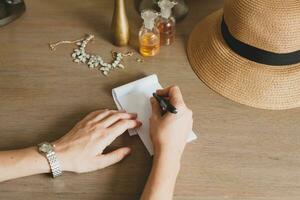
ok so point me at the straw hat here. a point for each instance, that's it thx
(249, 52)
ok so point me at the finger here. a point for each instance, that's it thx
(93, 114)
(103, 115)
(114, 157)
(119, 128)
(113, 118)
(174, 93)
(156, 111)
(171, 91)
(164, 92)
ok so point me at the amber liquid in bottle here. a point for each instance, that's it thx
(149, 42)
(167, 30)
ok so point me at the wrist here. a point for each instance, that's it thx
(61, 156)
(40, 162)
(168, 158)
(168, 151)
(48, 151)
(21, 163)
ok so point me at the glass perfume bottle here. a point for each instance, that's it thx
(166, 22)
(149, 37)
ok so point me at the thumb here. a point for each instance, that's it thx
(113, 157)
(156, 111)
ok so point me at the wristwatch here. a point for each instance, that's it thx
(47, 149)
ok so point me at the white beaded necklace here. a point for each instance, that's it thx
(79, 55)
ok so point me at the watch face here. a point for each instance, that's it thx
(45, 147)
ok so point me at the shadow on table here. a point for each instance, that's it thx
(81, 12)
(197, 11)
(128, 177)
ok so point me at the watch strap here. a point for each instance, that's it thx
(54, 164)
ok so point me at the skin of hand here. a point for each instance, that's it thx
(168, 133)
(81, 150)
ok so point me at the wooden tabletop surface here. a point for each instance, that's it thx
(241, 153)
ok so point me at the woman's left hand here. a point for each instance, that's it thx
(81, 149)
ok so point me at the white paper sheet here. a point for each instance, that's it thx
(135, 97)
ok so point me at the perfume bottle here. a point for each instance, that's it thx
(149, 37)
(166, 22)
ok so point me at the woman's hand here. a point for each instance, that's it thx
(169, 132)
(81, 150)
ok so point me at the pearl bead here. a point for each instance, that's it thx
(121, 66)
(105, 73)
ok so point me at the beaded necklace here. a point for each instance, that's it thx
(79, 55)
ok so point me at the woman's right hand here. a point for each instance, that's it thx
(169, 132)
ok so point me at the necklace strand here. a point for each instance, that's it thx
(79, 55)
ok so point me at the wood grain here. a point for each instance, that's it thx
(242, 152)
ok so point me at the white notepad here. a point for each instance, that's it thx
(135, 97)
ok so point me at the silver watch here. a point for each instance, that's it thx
(47, 149)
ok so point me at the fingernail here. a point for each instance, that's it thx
(175, 87)
(127, 151)
(133, 115)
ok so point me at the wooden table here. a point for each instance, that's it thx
(242, 152)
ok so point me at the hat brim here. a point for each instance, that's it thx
(237, 78)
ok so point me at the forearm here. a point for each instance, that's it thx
(20, 163)
(162, 179)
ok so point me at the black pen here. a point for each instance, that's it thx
(164, 104)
